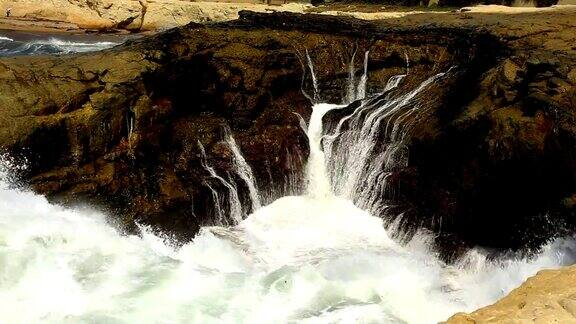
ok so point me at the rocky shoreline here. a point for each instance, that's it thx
(131, 129)
(148, 16)
(123, 16)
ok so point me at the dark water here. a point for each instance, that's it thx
(16, 43)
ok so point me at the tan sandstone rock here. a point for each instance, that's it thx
(548, 297)
(134, 14)
(97, 14)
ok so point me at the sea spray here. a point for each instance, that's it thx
(244, 171)
(314, 258)
(300, 259)
(359, 171)
(51, 46)
(233, 200)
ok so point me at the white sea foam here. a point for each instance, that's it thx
(300, 259)
(11, 47)
(316, 258)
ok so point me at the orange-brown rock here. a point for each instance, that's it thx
(131, 15)
(548, 297)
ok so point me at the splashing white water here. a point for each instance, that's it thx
(361, 92)
(244, 171)
(318, 182)
(351, 88)
(14, 47)
(71, 46)
(313, 76)
(234, 204)
(359, 165)
(312, 259)
(301, 259)
(356, 91)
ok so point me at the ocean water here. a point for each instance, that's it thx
(14, 43)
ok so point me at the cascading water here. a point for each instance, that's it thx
(234, 204)
(318, 182)
(351, 89)
(358, 171)
(361, 92)
(354, 91)
(316, 258)
(313, 75)
(244, 171)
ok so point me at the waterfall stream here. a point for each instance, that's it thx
(244, 172)
(359, 171)
(317, 258)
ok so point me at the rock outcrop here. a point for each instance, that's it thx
(89, 14)
(137, 129)
(133, 15)
(124, 128)
(491, 164)
(497, 157)
(548, 297)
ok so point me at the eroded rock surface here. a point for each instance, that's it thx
(130, 15)
(125, 128)
(548, 297)
(491, 164)
(122, 127)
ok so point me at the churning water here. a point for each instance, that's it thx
(19, 44)
(315, 258)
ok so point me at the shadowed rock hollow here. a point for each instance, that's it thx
(123, 128)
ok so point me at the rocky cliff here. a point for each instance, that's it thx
(137, 129)
(125, 128)
(493, 155)
(495, 167)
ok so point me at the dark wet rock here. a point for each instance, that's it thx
(493, 163)
(498, 173)
(123, 128)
